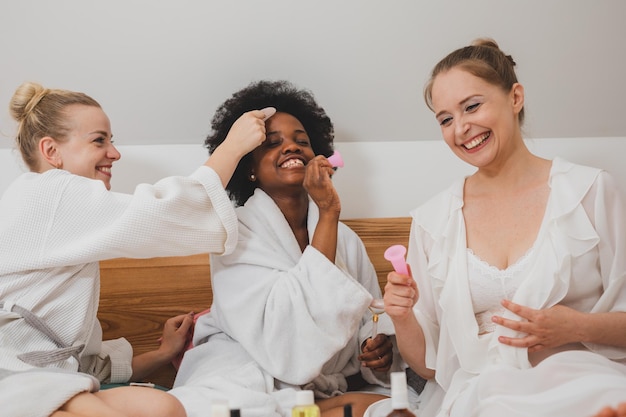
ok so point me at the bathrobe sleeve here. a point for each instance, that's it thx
(435, 227)
(75, 220)
(607, 210)
(425, 309)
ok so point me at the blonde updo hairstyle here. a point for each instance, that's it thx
(41, 112)
(483, 59)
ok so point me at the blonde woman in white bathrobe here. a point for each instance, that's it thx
(290, 307)
(519, 270)
(58, 220)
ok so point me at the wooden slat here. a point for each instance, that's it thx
(138, 295)
(378, 234)
(201, 259)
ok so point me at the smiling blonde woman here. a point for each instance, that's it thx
(58, 220)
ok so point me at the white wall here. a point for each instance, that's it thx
(380, 179)
(161, 67)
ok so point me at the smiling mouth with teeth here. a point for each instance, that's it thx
(479, 140)
(292, 163)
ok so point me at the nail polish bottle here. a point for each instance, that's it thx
(305, 405)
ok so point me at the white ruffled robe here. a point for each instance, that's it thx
(579, 261)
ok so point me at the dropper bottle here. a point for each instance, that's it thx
(399, 396)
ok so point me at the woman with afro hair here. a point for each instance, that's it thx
(288, 99)
(290, 308)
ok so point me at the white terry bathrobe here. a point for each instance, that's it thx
(281, 319)
(54, 228)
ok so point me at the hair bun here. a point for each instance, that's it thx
(490, 43)
(25, 98)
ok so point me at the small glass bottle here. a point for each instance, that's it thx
(399, 396)
(305, 405)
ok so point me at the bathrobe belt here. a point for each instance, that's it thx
(42, 358)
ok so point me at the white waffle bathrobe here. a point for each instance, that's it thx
(55, 227)
(281, 318)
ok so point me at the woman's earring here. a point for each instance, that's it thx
(252, 177)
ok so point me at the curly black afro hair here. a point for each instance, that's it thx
(286, 98)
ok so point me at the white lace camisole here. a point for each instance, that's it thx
(489, 285)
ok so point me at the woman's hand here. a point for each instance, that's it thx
(245, 135)
(318, 183)
(177, 332)
(377, 353)
(545, 329)
(401, 294)
(248, 131)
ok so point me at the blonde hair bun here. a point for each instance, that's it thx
(25, 98)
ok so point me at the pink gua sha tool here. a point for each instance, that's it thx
(395, 255)
(336, 160)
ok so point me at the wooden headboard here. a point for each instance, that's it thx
(138, 295)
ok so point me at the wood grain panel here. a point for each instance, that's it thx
(378, 234)
(138, 295)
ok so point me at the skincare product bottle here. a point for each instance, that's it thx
(305, 405)
(399, 396)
